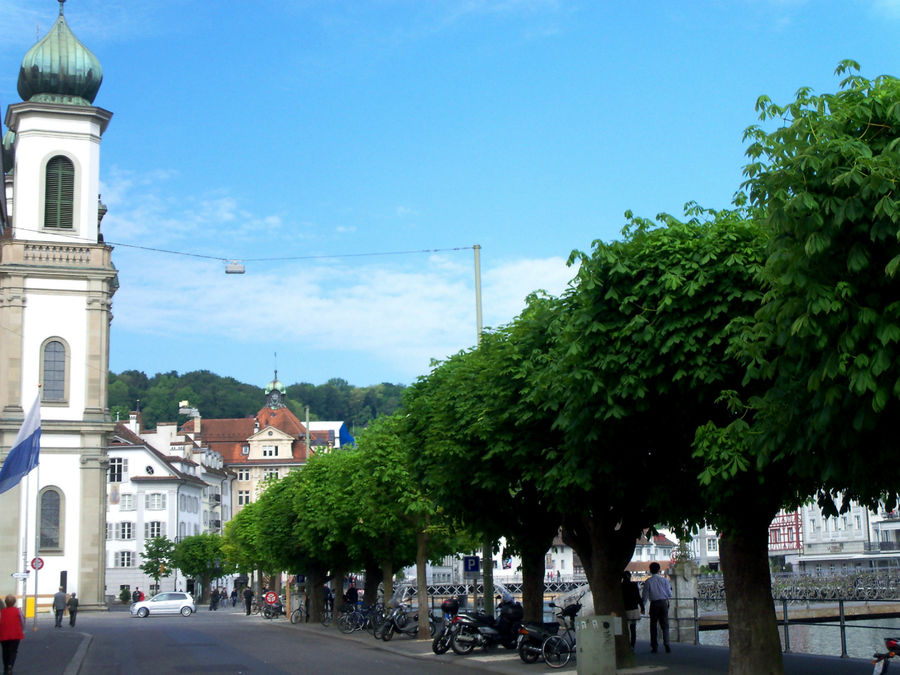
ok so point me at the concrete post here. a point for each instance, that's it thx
(684, 590)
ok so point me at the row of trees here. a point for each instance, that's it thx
(710, 369)
(218, 397)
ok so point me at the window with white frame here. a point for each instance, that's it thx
(270, 451)
(124, 559)
(243, 474)
(155, 501)
(243, 497)
(126, 502)
(205, 517)
(125, 530)
(271, 473)
(118, 470)
(712, 545)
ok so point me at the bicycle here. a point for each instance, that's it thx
(558, 649)
(326, 617)
(298, 615)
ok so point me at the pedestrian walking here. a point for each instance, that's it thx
(248, 599)
(12, 632)
(234, 596)
(658, 592)
(59, 606)
(634, 604)
(214, 600)
(72, 604)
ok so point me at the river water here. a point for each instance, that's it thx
(864, 637)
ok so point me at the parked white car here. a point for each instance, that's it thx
(174, 602)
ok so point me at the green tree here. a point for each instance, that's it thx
(481, 445)
(157, 557)
(642, 356)
(828, 339)
(200, 556)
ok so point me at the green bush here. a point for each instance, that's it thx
(125, 596)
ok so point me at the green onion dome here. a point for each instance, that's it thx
(59, 69)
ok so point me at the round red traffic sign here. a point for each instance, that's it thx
(271, 597)
(37, 563)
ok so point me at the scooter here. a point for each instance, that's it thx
(480, 629)
(441, 642)
(882, 661)
(402, 622)
(532, 636)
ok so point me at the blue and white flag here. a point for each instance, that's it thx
(25, 450)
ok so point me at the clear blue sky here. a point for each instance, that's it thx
(292, 128)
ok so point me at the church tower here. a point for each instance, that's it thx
(56, 285)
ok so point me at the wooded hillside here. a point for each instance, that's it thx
(218, 397)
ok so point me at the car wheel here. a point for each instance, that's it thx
(185, 611)
(143, 612)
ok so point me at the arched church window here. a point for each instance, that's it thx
(59, 193)
(54, 358)
(51, 519)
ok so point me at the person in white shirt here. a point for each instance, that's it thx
(657, 593)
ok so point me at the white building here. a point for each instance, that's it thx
(56, 285)
(176, 491)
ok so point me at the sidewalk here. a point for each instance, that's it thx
(50, 650)
(60, 651)
(685, 659)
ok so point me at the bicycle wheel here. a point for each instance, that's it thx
(326, 617)
(556, 651)
(254, 608)
(347, 623)
(297, 615)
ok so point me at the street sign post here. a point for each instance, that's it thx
(271, 597)
(20, 575)
(37, 563)
(471, 565)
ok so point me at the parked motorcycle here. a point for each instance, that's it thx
(882, 661)
(480, 629)
(532, 636)
(441, 643)
(399, 619)
(274, 610)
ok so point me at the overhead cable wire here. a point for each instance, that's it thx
(226, 259)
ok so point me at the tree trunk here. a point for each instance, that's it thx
(605, 546)
(373, 578)
(337, 583)
(754, 643)
(315, 583)
(487, 561)
(387, 578)
(533, 583)
(421, 582)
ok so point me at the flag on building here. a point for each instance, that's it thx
(23, 456)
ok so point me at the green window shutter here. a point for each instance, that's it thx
(59, 196)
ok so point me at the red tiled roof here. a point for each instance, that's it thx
(228, 436)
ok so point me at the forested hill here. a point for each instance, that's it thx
(224, 397)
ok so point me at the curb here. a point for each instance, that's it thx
(74, 666)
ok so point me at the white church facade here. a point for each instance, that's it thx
(56, 285)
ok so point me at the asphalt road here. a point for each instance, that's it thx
(227, 641)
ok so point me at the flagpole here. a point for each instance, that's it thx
(37, 536)
(26, 504)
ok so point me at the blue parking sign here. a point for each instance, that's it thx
(471, 564)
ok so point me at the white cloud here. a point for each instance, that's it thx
(399, 315)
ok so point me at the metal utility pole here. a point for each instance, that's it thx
(487, 547)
